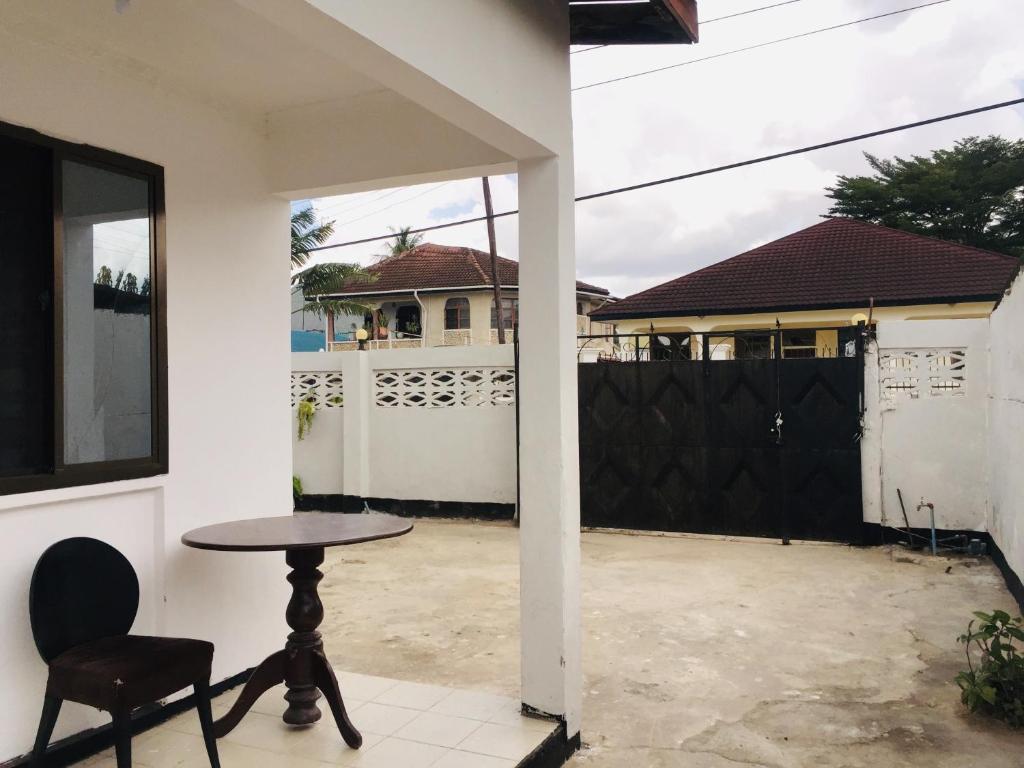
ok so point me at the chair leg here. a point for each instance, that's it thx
(51, 708)
(123, 738)
(202, 688)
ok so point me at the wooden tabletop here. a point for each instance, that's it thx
(300, 531)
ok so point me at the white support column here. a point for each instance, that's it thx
(358, 384)
(549, 447)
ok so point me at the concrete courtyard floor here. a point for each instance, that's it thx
(697, 652)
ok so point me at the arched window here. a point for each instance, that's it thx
(579, 308)
(456, 314)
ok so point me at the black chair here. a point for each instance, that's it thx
(82, 603)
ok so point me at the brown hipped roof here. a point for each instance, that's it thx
(834, 264)
(432, 267)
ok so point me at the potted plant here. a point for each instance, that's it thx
(412, 328)
(382, 324)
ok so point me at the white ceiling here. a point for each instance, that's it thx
(234, 58)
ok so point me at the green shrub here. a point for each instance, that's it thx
(994, 683)
(296, 488)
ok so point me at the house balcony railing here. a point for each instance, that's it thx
(407, 341)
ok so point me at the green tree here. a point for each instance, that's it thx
(105, 276)
(145, 288)
(131, 284)
(971, 194)
(315, 281)
(307, 232)
(320, 280)
(402, 242)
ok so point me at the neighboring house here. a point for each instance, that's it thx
(443, 295)
(173, 136)
(828, 276)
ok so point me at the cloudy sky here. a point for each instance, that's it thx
(949, 57)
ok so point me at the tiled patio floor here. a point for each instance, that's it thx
(404, 725)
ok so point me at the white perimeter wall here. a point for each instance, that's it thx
(228, 432)
(932, 446)
(1006, 435)
(452, 452)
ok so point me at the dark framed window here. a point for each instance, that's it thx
(509, 312)
(456, 314)
(83, 378)
(799, 343)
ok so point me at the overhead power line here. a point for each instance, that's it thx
(756, 46)
(393, 205)
(705, 22)
(706, 171)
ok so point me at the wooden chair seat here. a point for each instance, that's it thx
(83, 601)
(127, 671)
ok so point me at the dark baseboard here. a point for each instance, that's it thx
(876, 534)
(1012, 579)
(554, 752)
(80, 746)
(471, 510)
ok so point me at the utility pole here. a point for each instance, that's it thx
(492, 241)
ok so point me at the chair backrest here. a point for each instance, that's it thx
(82, 589)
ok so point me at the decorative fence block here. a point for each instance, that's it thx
(444, 387)
(323, 390)
(947, 371)
(909, 372)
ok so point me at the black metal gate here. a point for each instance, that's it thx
(758, 445)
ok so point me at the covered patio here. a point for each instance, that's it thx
(232, 109)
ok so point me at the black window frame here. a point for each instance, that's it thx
(461, 309)
(63, 475)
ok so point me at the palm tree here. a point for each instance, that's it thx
(318, 281)
(404, 240)
(307, 233)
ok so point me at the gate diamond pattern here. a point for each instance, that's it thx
(691, 446)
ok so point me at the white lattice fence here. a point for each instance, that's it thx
(322, 389)
(444, 387)
(935, 372)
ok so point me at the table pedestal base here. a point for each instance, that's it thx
(302, 665)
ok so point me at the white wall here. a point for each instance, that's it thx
(228, 434)
(443, 453)
(1006, 414)
(933, 446)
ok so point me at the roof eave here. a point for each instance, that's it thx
(689, 312)
(614, 22)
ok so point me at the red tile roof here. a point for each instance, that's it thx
(431, 267)
(836, 263)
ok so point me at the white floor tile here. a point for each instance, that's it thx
(382, 719)
(325, 744)
(510, 742)
(413, 695)
(440, 730)
(398, 753)
(474, 705)
(362, 687)
(458, 759)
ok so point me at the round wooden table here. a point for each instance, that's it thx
(301, 665)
